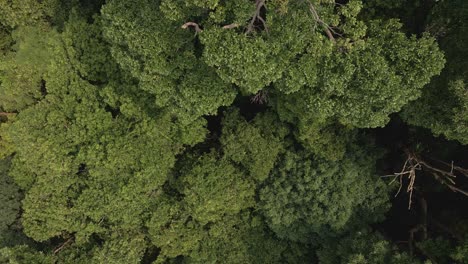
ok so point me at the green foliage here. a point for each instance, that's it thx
(10, 203)
(21, 72)
(20, 13)
(443, 107)
(24, 254)
(253, 63)
(107, 153)
(240, 238)
(213, 188)
(443, 250)
(364, 85)
(362, 247)
(6, 40)
(306, 196)
(210, 221)
(460, 254)
(108, 167)
(255, 144)
(159, 54)
(121, 247)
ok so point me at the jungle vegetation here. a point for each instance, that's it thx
(234, 131)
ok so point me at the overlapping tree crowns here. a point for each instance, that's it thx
(107, 152)
(22, 69)
(361, 246)
(255, 144)
(106, 164)
(343, 73)
(210, 218)
(26, 13)
(443, 106)
(346, 71)
(162, 57)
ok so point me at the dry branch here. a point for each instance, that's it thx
(260, 98)
(64, 244)
(5, 116)
(259, 4)
(415, 163)
(326, 27)
(230, 26)
(192, 24)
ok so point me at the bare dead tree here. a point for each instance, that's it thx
(416, 163)
(259, 4)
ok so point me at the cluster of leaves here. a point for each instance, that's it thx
(107, 153)
(443, 107)
(307, 196)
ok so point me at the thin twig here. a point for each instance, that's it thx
(414, 163)
(69, 241)
(453, 167)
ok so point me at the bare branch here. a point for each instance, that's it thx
(414, 163)
(64, 244)
(326, 27)
(231, 26)
(453, 167)
(260, 98)
(192, 24)
(256, 16)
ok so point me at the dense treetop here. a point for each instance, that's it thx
(212, 131)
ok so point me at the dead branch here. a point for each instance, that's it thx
(64, 244)
(328, 30)
(4, 116)
(260, 98)
(453, 168)
(231, 26)
(192, 24)
(259, 4)
(414, 163)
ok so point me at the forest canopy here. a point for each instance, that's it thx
(233, 131)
